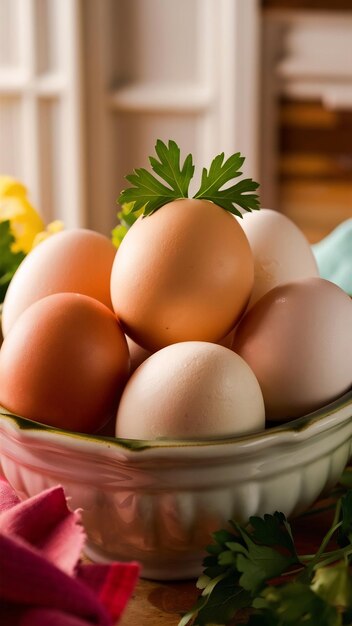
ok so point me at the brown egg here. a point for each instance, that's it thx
(64, 363)
(297, 339)
(183, 273)
(77, 260)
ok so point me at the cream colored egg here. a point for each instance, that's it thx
(280, 250)
(297, 339)
(76, 261)
(190, 390)
(139, 354)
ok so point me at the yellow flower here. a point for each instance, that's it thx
(54, 227)
(24, 220)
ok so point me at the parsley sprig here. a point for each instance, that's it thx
(148, 193)
(248, 566)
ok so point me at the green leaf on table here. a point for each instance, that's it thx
(344, 536)
(219, 606)
(259, 563)
(293, 604)
(243, 565)
(230, 198)
(273, 530)
(334, 584)
(9, 260)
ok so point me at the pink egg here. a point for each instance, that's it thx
(297, 339)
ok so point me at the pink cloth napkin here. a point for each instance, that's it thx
(42, 582)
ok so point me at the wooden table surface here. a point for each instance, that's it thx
(162, 604)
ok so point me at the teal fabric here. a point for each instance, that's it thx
(334, 256)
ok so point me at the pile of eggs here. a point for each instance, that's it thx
(201, 325)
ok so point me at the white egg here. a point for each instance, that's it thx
(191, 390)
(281, 251)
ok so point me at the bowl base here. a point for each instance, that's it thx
(187, 569)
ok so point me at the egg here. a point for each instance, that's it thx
(280, 250)
(297, 339)
(77, 260)
(183, 273)
(64, 363)
(190, 390)
(137, 353)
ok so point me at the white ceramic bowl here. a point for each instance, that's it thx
(157, 502)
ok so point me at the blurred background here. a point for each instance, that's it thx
(87, 86)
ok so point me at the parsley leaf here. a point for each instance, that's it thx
(219, 174)
(273, 530)
(220, 605)
(344, 537)
(126, 218)
(259, 562)
(293, 604)
(9, 261)
(169, 169)
(244, 563)
(334, 584)
(148, 193)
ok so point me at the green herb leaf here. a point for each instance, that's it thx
(293, 604)
(168, 167)
(220, 606)
(273, 530)
(344, 537)
(243, 564)
(334, 584)
(126, 218)
(259, 563)
(237, 195)
(9, 261)
(149, 192)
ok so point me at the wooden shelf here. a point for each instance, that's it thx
(318, 5)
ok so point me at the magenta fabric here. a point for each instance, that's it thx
(42, 581)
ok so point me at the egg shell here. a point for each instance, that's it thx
(190, 390)
(64, 363)
(281, 251)
(77, 260)
(298, 341)
(183, 273)
(137, 353)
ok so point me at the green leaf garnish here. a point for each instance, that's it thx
(9, 260)
(126, 218)
(149, 193)
(293, 604)
(248, 568)
(237, 195)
